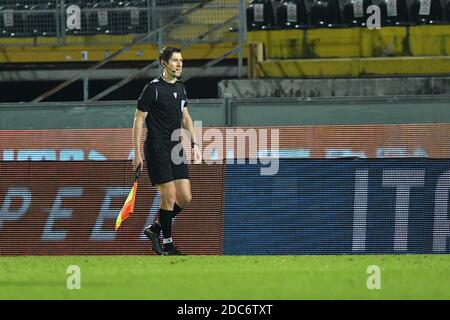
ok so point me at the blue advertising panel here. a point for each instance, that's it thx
(345, 206)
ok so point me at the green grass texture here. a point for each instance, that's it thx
(226, 277)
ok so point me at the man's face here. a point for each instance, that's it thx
(175, 64)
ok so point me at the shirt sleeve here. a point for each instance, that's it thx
(185, 96)
(147, 98)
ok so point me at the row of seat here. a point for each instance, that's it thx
(98, 18)
(88, 3)
(21, 19)
(327, 13)
(31, 18)
(41, 19)
(23, 4)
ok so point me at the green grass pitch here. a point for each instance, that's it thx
(226, 277)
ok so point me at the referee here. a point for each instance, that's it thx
(162, 105)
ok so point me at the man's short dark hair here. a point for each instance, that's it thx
(166, 53)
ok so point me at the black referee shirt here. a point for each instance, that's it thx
(164, 103)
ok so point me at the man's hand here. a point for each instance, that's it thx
(138, 161)
(197, 154)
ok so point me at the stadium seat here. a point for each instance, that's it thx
(14, 27)
(4, 32)
(325, 13)
(426, 12)
(447, 11)
(355, 12)
(135, 20)
(260, 15)
(397, 15)
(292, 14)
(117, 17)
(41, 20)
(129, 19)
(99, 19)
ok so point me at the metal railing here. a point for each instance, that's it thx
(38, 22)
(238, 19)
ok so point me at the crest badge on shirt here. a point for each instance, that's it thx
(183, 102)
(175, 95)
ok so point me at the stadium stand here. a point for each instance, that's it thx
(292, 14)
(424, 13)
(397, 15)
(41, 20)
(134, 18)
(447, 11)
(336, 43)
(260, 15)
(355, 13)
(294, 38)
(11, 21)
(325, 13)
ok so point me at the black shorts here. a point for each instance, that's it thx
(161, 168)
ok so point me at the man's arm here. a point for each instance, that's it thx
(189, 126)
(139, 119)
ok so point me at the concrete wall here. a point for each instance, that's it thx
(376, 87)
(292, 112)
(79, 115)
(235, 112)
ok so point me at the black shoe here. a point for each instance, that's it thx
(173, 251)
(154, 239)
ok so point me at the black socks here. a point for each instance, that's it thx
(164, 223)
(156, 227)
(165, 217)
(176, 210)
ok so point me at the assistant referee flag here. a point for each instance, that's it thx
(128, 206)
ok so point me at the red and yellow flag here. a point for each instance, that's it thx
(128, 206)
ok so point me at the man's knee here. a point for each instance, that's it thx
(184, 200)
(168, 196)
